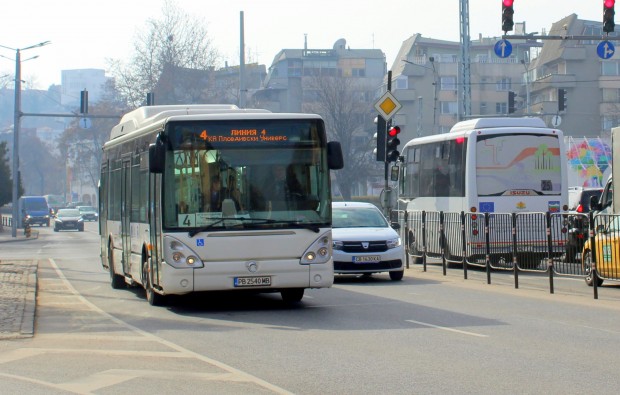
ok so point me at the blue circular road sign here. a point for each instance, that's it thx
(605, 49)
(503, 48)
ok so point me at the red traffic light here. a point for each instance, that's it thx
(508, 3)
(606, 3)
(394, 130)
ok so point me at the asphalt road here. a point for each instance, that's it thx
(427, 334)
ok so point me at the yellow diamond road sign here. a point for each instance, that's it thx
(387, 105)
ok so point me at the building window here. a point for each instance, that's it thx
(483, 108)
(449, 107)
(609, 121)
(609, 68)
(503, 84)
(294, 68)
(501, 108)
(402, 82)
(611, 95)
(448, 83)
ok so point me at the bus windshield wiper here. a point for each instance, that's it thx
(194, 232)
(302, 225)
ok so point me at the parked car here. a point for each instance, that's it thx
(89, 213)
(68, 218)
(607, 242)
(577, 221)
(364, 242)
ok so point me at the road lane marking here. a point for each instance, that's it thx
(447, 329)
(239, 374)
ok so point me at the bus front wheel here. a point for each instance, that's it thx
(292, 295)
(152, 297)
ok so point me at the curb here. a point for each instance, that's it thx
(20, 237)
(24, 310)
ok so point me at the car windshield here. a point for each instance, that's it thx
(68, 213)
(357, 217)
(86, 209)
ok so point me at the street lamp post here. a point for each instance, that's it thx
(16, 124)
(527, 87)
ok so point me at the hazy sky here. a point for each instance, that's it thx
(84, 33)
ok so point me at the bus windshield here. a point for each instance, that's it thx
(518, 164)
(245, 174)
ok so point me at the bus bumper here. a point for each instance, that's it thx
(222, 276)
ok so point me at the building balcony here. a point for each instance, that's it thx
(406, 94)
(554, 81)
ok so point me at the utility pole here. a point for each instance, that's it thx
(16, 125)
(465, 70)
(242, 90)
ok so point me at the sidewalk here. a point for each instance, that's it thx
(18, 290)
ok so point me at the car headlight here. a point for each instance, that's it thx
(338, 245)
(393, 243)
(81, 219)
(47, 217)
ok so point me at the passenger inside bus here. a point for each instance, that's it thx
(216, 195)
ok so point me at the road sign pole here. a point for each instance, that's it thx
(386, 165)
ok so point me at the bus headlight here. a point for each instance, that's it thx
(320, 251)
(179, 255)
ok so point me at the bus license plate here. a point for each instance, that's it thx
(367, 259)
(252, 281)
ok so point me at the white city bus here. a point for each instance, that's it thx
(488, 165)
(186, 203)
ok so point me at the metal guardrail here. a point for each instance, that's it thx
(559, 244)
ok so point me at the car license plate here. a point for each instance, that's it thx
(252, 281)
(367, 259)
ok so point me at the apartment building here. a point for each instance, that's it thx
(592, 84)
(288, 85)
(425, 80)
(426, 71)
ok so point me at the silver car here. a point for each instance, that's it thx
(364, 242)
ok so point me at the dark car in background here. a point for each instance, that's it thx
(68, 219)
(578, 221)
(89, 213)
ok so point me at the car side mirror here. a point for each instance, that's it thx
(594, 204)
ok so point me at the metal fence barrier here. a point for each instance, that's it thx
(558, 244)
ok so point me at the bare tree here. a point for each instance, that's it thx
(175, 41)
(344, 105)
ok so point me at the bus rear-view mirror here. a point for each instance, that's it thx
(334, 155)
(156, 158)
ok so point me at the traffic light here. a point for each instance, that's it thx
(391, 145)
(507, 13)
(511, 102)
(608, 15)
(562, 102)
